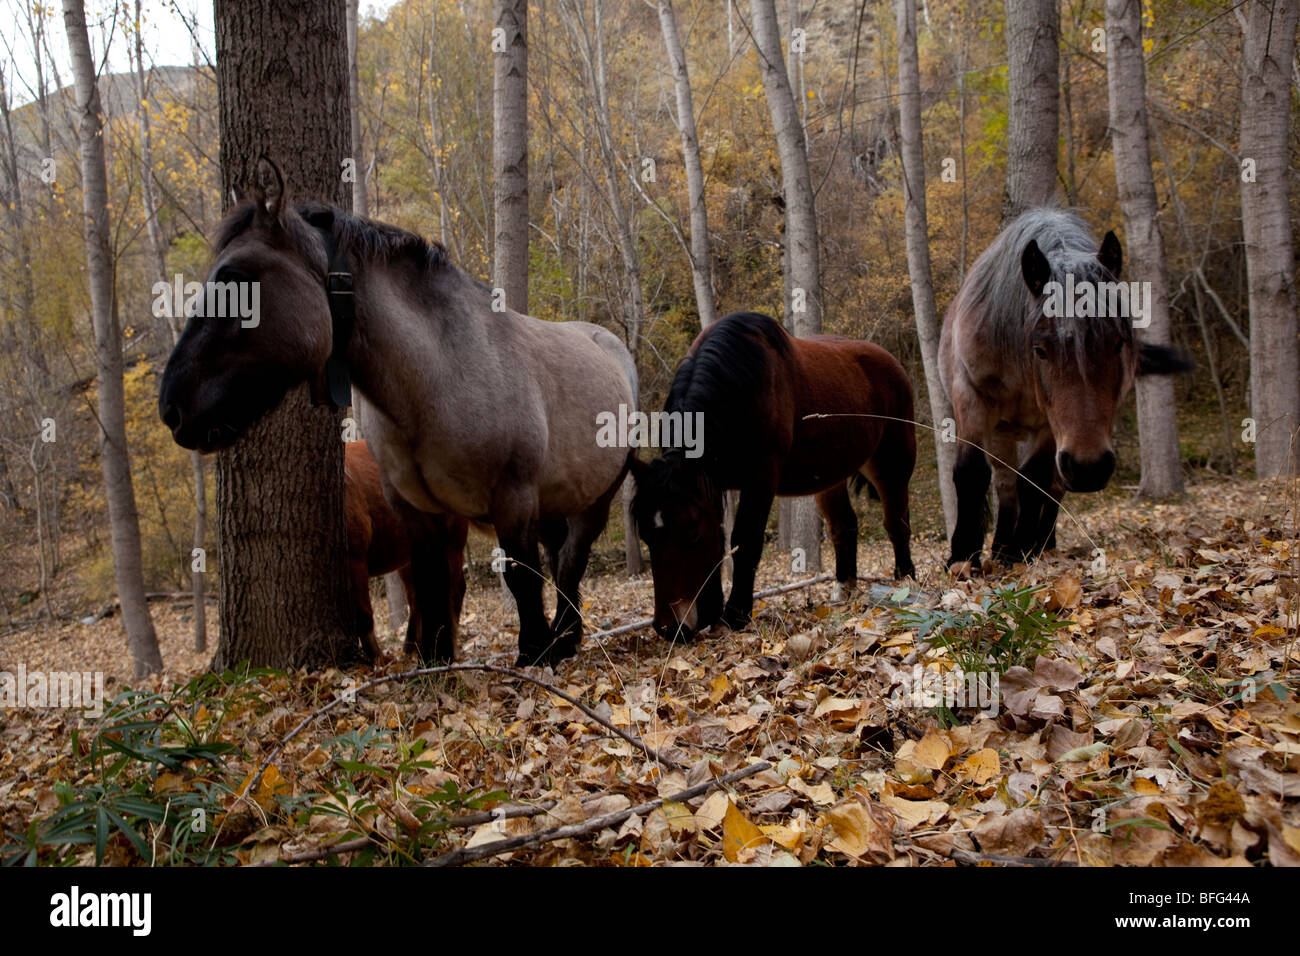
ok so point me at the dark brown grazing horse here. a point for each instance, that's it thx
(470, 410)
(1038, 352)
(781, 416)
(378, 542)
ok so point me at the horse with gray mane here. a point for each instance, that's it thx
(1038, 352)
(470, 411)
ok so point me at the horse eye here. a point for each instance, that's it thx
(1040, 351)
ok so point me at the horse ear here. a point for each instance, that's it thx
(1035, 268)
(236, 195)
(1111, 254)
(270, 192)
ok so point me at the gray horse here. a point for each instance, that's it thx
(470, 409)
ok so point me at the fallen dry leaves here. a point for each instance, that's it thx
(1161, 729)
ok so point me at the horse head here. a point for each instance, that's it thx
(1083, 352)
(227, 371)
(678, 514)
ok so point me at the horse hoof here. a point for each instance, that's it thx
(736, 620)
(841, 592)
(907, 572)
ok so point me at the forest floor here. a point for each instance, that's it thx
(1147, 715)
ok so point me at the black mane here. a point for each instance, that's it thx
(722, 377)
(365, 240)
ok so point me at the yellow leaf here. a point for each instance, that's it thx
(982, 766)
(738, 834)
(838, 707)
(679, 816)
(1147, 788)
(719, 685)
(856, 831)
(932, 751)
(789, 837)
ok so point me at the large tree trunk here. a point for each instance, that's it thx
(124, 522)
(701, 253)
(510, 153)
(1162, 473)
(360, 205)
(918, 247)
(1268, 51)
(158, 258)
(803, 305)
(285, 601)
(1033, 110)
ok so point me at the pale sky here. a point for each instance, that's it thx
(168, 40)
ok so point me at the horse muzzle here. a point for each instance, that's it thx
(1086, 474)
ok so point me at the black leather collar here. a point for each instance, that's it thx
(338, 289)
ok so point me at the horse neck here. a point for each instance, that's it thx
(406, 334)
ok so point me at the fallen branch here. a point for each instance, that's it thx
(600, 636)
(570, 830)
(454, 823)
(634, 740)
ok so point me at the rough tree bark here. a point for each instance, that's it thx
(284, 602)
(124, 522)
(360, 205)
(1269, 29)
(510, 152)
(1033, 111)
(701, 253)
(802, 255)
(1162, 473)
(918, 247)
(158, 258)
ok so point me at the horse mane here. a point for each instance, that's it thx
(996, 295)
(366, 240)
(721, 376)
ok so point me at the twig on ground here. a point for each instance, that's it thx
(634, 740)
(568, 831)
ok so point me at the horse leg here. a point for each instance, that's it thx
(837, 508)
(1038, 509)
(359, 577)
(518, 530)
(971, 476)
(584, 529)
(747, 538)
(890, 480)
(435, 587)
(1010, 504)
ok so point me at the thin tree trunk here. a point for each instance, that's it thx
(158, 259)
(701, 254)
(1267, 52)
(1162, 473)
(803, 304)
(285, 599)
(510, 153)
(124, 522)
(360, 205)
(1033, 109)
(918, 247)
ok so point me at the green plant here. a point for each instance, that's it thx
(1010, 629)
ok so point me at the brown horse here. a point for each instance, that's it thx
(471, 410)
(378, 542)
(781, 416)
(1038, 352)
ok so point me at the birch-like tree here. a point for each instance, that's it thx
(1162, 473)
(1268, 55)
(124, 521)
(1034, 104)
(803, 305)
(918, 247)
(510, 151)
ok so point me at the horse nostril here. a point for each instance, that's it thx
(171, 416)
